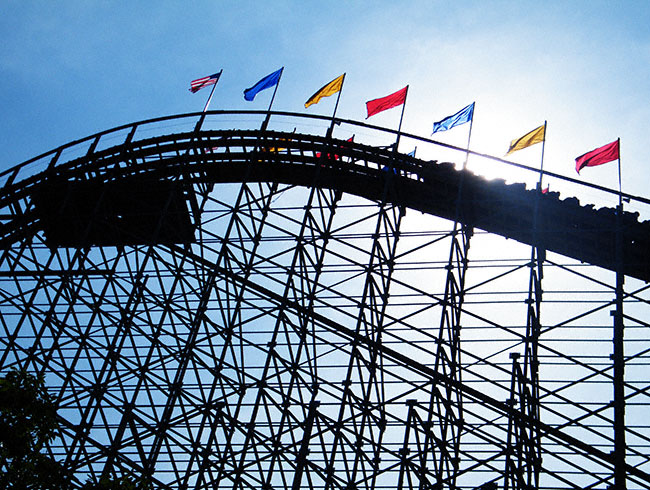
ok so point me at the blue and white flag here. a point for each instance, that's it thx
(266, 82)
(463, 116)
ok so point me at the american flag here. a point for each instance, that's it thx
(199, 83)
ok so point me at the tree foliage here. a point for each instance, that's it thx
(27, 422)
(122, 483)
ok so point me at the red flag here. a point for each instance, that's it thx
(336, 157)
(393, 100)
(604, 154)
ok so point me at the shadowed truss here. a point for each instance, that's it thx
(220, 308)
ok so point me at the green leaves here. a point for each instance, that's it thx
(122, 483)
(27, 422)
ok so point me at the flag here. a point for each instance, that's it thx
(545, 190)
(604, 154)
(393, 100)
(199, 83)
(267, 82)
(336, 157)
(529, 139)
(463, 116)
(412, 153)
(329, 89)
(275, 149)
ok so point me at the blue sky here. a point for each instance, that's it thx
(69, 69)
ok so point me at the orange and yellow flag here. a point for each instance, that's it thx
(329, 89)
(537, 135)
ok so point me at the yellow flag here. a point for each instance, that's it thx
(275, 149)
(537, 135)
(329, 89)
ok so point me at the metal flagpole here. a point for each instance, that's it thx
(338, 97)
(401, 118)
(541, 166)
(618, 356)
(533, 328)
(620, 189)
(268, 112)
(523, 457)
(469, 136)
(212, 91)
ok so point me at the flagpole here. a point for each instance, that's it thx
(541, 166)
(275, 89)
(338, 97)
(618, 354)
(401, 118)
(212, 91)
(268, 112)
(620, 187)
(469, 137)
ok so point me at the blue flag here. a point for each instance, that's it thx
(463, 116)
(266, 82)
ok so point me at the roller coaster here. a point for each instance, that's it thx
(286, 307)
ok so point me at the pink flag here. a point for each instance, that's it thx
(604, 154)
(393, 100)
